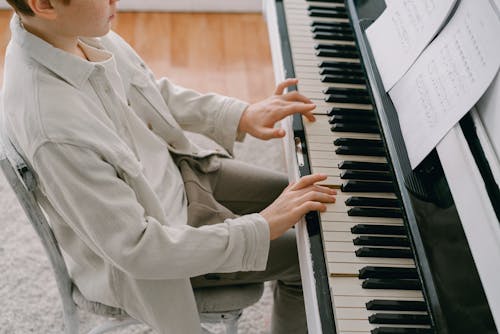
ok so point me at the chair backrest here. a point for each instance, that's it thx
(23, 182)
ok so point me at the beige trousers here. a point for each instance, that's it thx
(236, 188)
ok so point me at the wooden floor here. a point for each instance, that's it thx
(223, 53)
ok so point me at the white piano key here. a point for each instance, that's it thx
(363, 326)
(333, 230)
(327, 170)
(340, 257)
(329, 138)
(320, 59)
(360, 301)
(351, 286)
(352, 269)
(361, 313)
(349, 246)
(325, 154)
(337, 217)
(344, 157)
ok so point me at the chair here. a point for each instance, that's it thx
(214, 304)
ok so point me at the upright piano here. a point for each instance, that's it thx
(402, 251)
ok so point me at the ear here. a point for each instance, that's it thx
(43, 8)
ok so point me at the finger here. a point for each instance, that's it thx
(317, 196)
(269, 133)
(310, 116)
(295, 96)
(311, 206)
(297, 107)
(308, 180)
(317, 188)
(285, 84)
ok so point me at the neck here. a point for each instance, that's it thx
(63, 42)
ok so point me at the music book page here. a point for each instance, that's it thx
(448, 78)
(402, 32)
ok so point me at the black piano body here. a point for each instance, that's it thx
(453, 290)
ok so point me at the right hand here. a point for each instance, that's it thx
(295, 201)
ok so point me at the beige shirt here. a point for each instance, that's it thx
(158, 166)
(107, 181)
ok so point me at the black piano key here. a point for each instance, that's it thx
(367, 186)
(353, 127)
(395, 305)
(336, 54)
(334, 46)
(353, 118)
(399, 319)
(365, 240)
(375, 212)
(340, 64)
(388, 272)
(331, 28)
(373, 201)
(366, 175)
(368, 151)
(342, 71)
(344, 98)
(333, 36)
(333, 9)
(401, 330)
(336, 8)
(378, 229)
(346, 91)
(360, 165)
(327, 13)
(392, 284)
(336, 24)
(339, 78)
(347, 111)
(358, 142)
(396, 253)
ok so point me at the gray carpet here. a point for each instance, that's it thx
(29, 301)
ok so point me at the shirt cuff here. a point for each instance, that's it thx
(257, 242)
(229, 121)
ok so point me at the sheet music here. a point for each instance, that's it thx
(448, 78)
(402, 32)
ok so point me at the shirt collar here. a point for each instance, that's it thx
(70, 68)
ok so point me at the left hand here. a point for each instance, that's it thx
(259, 118)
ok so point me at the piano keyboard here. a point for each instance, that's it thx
(374, 283)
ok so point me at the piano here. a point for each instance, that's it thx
(402, 251)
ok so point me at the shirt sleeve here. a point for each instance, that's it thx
(213, 115)
(106, 215)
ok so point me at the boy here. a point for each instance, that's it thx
(141, 212)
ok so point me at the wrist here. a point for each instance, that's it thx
(242, 125)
